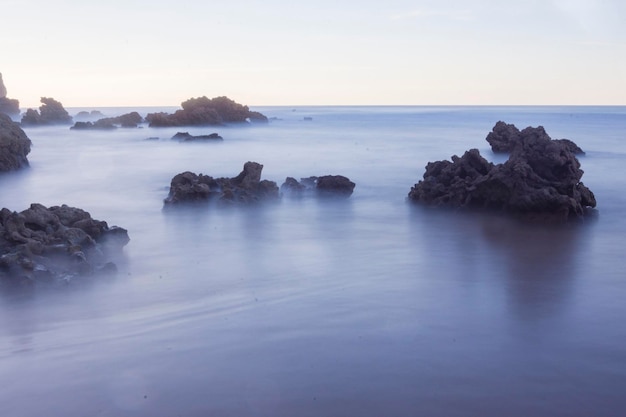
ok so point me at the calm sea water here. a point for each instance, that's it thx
(364, 307)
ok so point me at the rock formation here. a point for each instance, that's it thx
(324, 186)
(540, 180)
(245, 189)
(504, 136)
(205, 111)
(7, 105)
(186, 137)
(56, 245)
(50, 112)
(14, 145)
(130, 120)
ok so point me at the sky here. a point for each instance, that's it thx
(278, 52)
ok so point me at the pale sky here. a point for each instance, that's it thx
(288, 52)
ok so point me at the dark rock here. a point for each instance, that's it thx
(245, 189)
(8, 106)
(540, 180)
(56, 245)
(504, 137)
(205, 111)
(14, 145)
(186, 137)
(325, 186)
(50, 112)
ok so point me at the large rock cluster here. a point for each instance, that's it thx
(248, 188)
(7, 105)
(129, 120)
(56, 245)
(50, 112)
(205, 111)
(14, 145)
(540, 180)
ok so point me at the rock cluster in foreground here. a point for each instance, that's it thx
(14, 145)
(56, 245)
(540, 180)
(204, 111)
(248, 188)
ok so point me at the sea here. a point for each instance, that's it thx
(367, 306)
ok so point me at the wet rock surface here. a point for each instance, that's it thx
(55, 246)
(539, 181)
(14, 145)
(324, 186)
(187, 137)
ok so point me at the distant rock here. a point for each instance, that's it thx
(245, 189)
(85, 116)
(8, 106)
(324, 186)
(50, 112)
(540, 180)
(186, 137)
(55, 246)
(14, 145)
(205, 111)
(128, 120)
(504, 136)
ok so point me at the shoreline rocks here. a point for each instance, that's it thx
(55, 246)
(539, 181)
(14, 145)
(8, 106)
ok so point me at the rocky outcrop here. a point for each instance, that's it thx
(85, 116)
(129, 120)
(540, 180)
(504, 136)
(205, 111)
(8, 106)
(14, 145)
(244, 189)
(186, 137)
(56, 245)
(50, 112)
(324, 186)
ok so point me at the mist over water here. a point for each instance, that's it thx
(360, 307)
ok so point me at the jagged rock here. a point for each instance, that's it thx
(50, 112)
(205, 111)
(56, 245)
(186, 137)
(504, 136)
(8, 106)
(130, 120)
(540, 180)
(14, 145)
(244, 189)
(325, 186)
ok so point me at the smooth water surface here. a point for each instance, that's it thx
(362, 307)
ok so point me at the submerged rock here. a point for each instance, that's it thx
(186, 137)
(540, 180)
(14, 145)
(50, 112)
(56, 245)
(205, 111)
(324, 186)
(504, 137)
(244, 189)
